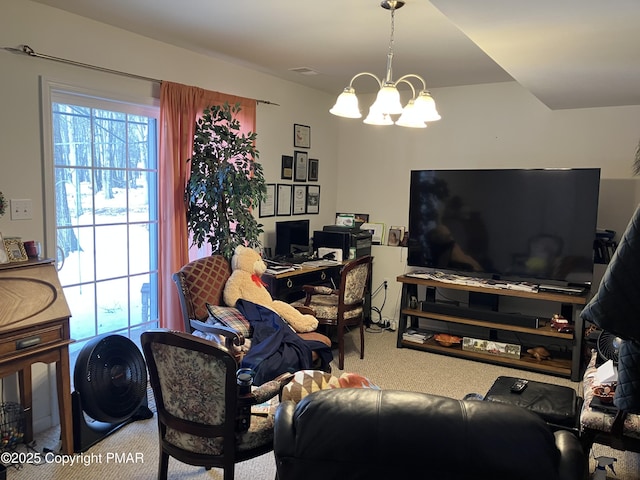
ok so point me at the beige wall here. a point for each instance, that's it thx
(362, 168)
(484, 126)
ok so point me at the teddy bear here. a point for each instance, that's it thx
(245, 282)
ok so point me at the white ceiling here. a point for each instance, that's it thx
(568, 53)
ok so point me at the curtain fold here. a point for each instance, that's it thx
(180, 107)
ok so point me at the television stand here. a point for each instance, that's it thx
(568, 290)
(488, 324)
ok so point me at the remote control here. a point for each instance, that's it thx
(519, 385)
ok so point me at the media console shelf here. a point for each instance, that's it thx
(494, 325)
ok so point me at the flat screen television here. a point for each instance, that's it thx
(292, 237)
(508, 224)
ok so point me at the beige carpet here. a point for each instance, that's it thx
(384, 364)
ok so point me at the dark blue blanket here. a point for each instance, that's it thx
(275, 347)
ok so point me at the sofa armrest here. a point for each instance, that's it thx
(573, 461)
(284, 433)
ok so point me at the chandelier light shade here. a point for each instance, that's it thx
(421, 108)
(347, 104)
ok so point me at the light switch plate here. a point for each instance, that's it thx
(21, 209)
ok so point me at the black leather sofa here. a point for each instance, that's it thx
(351, 434)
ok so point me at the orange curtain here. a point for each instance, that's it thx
(180, 106)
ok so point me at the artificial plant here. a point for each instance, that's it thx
(226, 182)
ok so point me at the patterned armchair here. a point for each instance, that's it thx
(201, 284)
(194, 385)
(343, 307)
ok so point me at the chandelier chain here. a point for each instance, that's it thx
(393, 29)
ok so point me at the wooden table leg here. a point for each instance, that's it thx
(26, 400)
(63, 385)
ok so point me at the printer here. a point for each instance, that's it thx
(353, 242)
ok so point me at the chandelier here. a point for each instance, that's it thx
(419, 110)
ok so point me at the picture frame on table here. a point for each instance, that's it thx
(300, 166)
(301, 136)
(268, 204)
(394, 237)
(15, 250)
(313, 169)
(283, 199)
(357, 218)
(299, 199)
(4, 256)
(377, 232)
(313, 199)
(401, 234)
(286, 172)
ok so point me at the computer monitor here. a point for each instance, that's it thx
(292, 237)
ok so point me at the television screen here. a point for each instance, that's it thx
(506, 224)
(292, 237)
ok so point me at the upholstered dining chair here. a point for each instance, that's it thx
(345, 306)
(198, 405)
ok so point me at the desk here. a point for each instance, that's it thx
(34, 327)
(287, 286)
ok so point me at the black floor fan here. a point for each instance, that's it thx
(608, 346)
(110, 382)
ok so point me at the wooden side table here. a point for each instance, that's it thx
(34, 327)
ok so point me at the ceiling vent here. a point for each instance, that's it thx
(304, 71)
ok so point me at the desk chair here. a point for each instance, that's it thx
(344, 307)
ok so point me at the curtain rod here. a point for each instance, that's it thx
(30, 52)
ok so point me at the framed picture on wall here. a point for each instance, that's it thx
(299, 199)
(313, 199)
(283, 199)
(300, 165)
(301, 136)
(287, 167)
(268, 205)
(313, 170)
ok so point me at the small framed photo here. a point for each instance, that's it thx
(299, 199)
(313, 170)
(15, 250)
(395, 237)
(301, 160)
(284, 200)
(268, 205)
(4, 256)
(377, 232)
(301, 136)
(401, 233)
(345, 219)
(358, 218)
(287, 167)
(313, 199)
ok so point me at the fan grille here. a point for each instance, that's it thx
(111, 377)
(608, 346)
